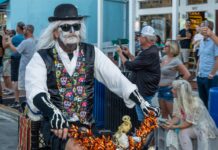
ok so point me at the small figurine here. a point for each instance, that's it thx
(120, 137)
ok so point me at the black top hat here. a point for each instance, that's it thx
(65, 12)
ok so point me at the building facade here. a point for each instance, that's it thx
(158, 13)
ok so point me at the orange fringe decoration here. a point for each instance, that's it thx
(90, 142)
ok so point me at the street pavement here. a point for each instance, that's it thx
(8, 132)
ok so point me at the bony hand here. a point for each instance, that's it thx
(144, 105)
(147, 108)
(56, 119)
(59, 124)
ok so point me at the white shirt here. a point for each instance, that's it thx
(104, 71)
(198, 37)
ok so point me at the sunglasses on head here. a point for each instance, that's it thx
(67, 27)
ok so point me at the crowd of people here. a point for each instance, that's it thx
(57, 73)
(175, 96)
(17, 48)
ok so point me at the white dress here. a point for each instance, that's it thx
(203, 125)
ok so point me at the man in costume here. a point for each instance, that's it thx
(60, 78)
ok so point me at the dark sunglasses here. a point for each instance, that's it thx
(166, 46)
(67, 27)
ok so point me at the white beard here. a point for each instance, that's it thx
(69, 38)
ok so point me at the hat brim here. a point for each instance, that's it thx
(51, 19)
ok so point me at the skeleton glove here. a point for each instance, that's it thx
(145, 106)
(49, 110)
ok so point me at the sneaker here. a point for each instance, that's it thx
(15, 105)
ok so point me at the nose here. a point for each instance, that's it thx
(71, 30)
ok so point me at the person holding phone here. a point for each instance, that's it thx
(207, 70)
(145, 67)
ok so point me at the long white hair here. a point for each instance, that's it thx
(47, 39)
(185, 98)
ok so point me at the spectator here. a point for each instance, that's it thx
(145, 67)
(7, 64)
(159, 42)
(196, 41)
(207, 64)
(160, 45)
(191, 118)
(12, 33)
(15, 61)
(171, 66)
(26, 48)
(185, 36)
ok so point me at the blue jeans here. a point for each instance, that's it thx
(204, 85)
(139, 111)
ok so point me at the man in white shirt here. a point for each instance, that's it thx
(60, 78)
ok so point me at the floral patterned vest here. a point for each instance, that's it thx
(73, 95)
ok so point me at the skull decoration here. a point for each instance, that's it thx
(67, 104)
(79, 90)
(63, 80)
(82, 114)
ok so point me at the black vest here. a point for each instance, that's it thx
(48, 58)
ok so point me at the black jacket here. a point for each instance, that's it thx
(145, 71)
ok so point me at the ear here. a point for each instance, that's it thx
(56, 34)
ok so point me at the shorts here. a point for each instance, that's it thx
(15, 62)
(7, 67)
(165, 93)
(184, 54)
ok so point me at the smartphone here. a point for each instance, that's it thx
(206, 23)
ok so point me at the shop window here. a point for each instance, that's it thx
(161, 23)
(190, 2)
(155, 3)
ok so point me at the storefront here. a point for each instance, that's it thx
(158, 13)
